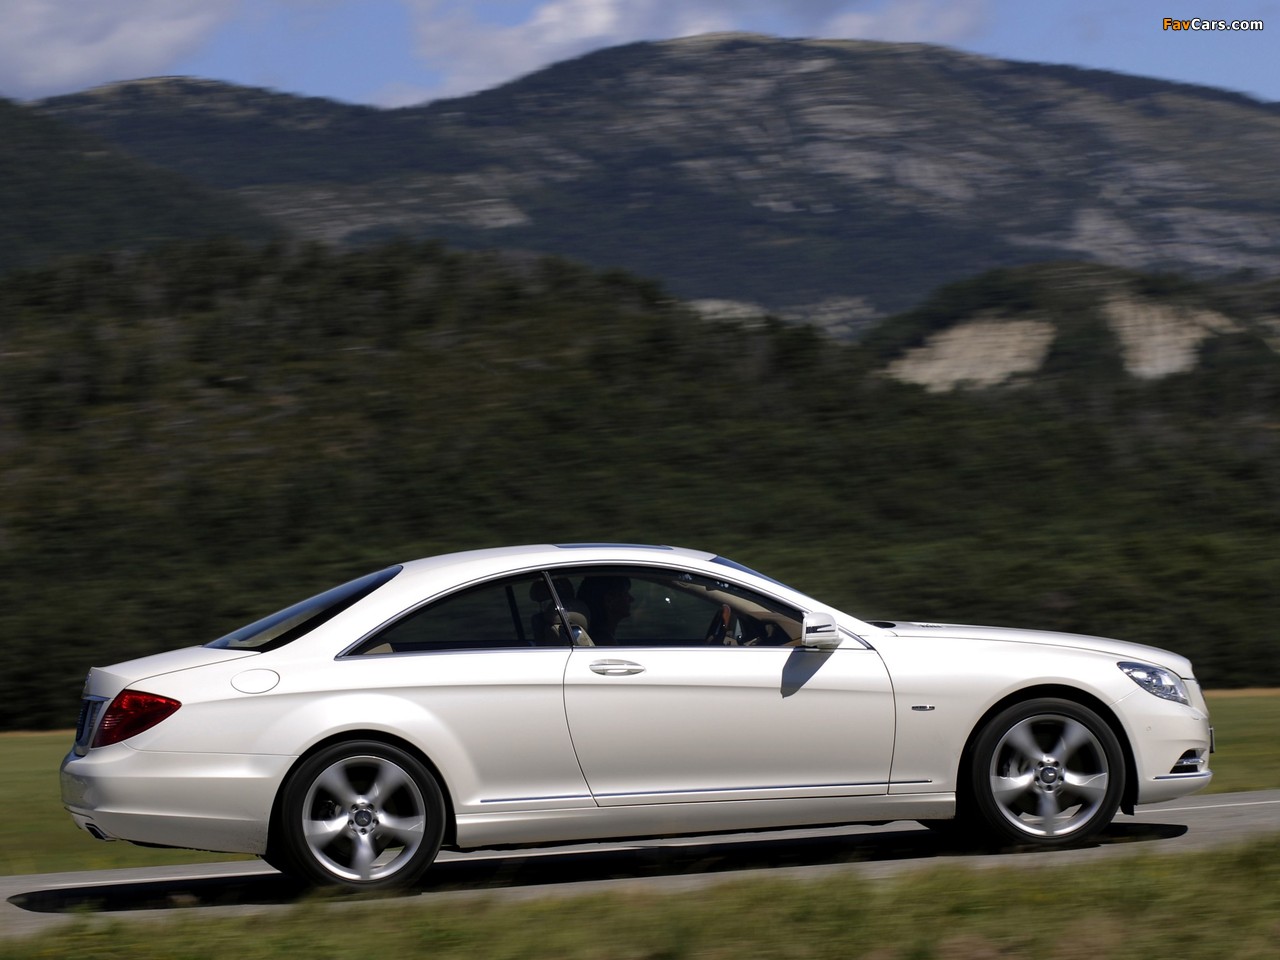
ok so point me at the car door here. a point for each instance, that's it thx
(475, 679)
(701, 694)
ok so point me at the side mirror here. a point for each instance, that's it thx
(820, 631)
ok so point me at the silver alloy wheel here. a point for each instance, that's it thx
(1049, 775)
(364, 818)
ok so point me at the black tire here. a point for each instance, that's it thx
(360, 814)
(1047, 773)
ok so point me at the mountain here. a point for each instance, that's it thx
(833, 181)
(64, 191)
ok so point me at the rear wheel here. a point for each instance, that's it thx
(1047, 773)
(361, 814)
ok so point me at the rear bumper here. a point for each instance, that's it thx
(200, 801)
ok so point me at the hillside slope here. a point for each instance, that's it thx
(191, 438)
(835, 179)
(63, 191)
(1022, 326)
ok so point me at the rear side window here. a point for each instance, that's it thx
(292, 622)
(512, 612)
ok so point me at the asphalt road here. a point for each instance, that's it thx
(30, 904)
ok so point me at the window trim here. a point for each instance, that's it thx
(658, 566)
(507, 579)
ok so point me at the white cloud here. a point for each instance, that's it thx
(918, 21)
(473, 54)
(51, 46)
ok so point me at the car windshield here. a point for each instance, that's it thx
(292, 622)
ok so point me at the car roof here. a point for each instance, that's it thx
(558, 554)
(424, 578)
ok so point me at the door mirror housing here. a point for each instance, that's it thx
(820, 631)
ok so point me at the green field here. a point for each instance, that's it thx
(45, 841)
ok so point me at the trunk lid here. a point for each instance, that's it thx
(103, 683)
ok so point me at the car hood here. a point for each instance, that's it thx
(1121, 649)
(108, 681)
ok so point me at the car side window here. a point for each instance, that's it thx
(641, 606)
(511, 612)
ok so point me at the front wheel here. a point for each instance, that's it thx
(362, 814)
(1047, 773)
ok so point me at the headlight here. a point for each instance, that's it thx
(1157, 680)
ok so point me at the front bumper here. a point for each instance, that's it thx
(1171, 745)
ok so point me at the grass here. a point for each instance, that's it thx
(1211, 905)
(44, 840)
(1246, 726)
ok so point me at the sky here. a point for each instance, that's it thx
(392, 53)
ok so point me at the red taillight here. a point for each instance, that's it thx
(131, 712)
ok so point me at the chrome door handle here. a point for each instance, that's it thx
(616, 668)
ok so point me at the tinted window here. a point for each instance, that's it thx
(292, 622)
(513, 612)
(644, 606)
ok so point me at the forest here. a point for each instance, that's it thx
(195, 436)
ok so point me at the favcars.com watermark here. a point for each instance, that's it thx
(1200, 24)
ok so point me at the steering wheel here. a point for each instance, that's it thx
(718, 628)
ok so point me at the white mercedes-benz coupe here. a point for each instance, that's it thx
(557, 693)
